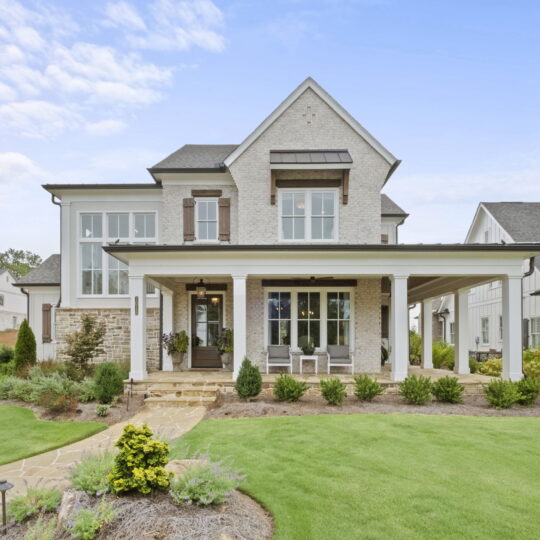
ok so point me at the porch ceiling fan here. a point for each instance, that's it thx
(314, 279)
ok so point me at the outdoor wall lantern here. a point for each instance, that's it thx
(201, 289)
(4, 487)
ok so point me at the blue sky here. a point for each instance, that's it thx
(98, 91)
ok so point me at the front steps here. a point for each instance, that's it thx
(177, 394)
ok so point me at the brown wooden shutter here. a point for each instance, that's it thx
(189, 220)
(384, 239)
(224, 204)
(46, 323)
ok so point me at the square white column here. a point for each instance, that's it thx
(239, 321)
(427, 334)
(167, 318)
(512, 317)
(461, 332)
(399, 317)
(137, 291)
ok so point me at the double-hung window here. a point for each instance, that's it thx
(309, 318)
(452, 333)
(484, 326)
(279, 318)
(206, 219)
(91, 253)
(535, 333)
(338, 318)
(117, 230)
(308, 214)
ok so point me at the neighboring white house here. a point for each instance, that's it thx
(499, 223)
(283, 236)
(12, 302)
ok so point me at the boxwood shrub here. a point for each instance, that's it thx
(416, 389)
(287, 388)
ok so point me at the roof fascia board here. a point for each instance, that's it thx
(331, 102)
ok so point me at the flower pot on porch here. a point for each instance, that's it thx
(178, 360)
(226, 360)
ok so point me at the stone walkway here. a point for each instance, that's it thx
(51, 469)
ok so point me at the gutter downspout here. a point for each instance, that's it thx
(27, 304)
(60, 206)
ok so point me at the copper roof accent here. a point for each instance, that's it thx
(309, 156)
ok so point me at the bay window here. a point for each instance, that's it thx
(308, 214)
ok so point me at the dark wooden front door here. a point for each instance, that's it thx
(206, 324)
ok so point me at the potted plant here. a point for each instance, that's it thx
(307, 345)
(176, 343)
(225, 347)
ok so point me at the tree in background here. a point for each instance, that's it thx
(25, 347)
(19, 262)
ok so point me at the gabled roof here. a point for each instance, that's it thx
(47, 273)
(195, 157)
(390, 209)
(332, 103)
(521, 220)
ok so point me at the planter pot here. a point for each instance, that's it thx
(308, 352)
(178, 360)
(226, 360)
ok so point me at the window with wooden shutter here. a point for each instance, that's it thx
(189, 220)
(46, 322)
(384, 239)
(224, 219)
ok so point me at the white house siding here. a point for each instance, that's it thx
(13, 305)
(359, 220)
(38, 297)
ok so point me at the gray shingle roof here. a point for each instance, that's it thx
(521, 220)
(197, 156)
(47, 273)
(390, 208)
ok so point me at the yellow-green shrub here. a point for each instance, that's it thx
(491, 367)
(532, 369)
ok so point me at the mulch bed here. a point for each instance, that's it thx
(232, 407)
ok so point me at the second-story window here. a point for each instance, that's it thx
(308, 215)
(206, 219)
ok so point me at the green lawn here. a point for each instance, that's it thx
(385, 476)
(23, 435)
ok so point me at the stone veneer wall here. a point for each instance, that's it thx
(117, 334)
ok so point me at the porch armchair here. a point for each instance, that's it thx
(340, 356)
(278, 356)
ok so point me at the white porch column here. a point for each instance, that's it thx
(512, 316)
(167, 317)
(427, 334)
(137, 291)
(461, 331)
(399, 328)
(239, 322)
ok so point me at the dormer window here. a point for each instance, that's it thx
(308, 214)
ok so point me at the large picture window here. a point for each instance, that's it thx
(338, 318)
(309, 215)
(309, 317)
(279, 318)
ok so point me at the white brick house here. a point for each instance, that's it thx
(289, 236)
(12, 302)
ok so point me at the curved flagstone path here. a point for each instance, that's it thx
(51, 469)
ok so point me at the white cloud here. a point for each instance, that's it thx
(7, 93)
(105, 127)
(16, 167)
(171, 25)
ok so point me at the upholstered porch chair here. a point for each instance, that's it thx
(278, 356)
(340, 356)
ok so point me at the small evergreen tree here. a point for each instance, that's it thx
(249, 382)
(25, 347)
(83, 345)
(108, 382)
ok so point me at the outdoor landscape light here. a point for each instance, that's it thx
(4, 487)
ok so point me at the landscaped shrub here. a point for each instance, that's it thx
(204, 484)
(86, 390)
(528, 389)
(249, 381)
(448, 389)
(287, 388)
(139, 466)
(366, 388)
(41, 529)
(532, 369)
(22, 389)
(6, 354)
(333, 390)
(83, 345)
(443, 355)
(57, 403)
(87, 522)
(25, 347)
(491, 367)
(91, 473)
(35, 501)
(56, 384)
(416, 389)
(7, 369)
(530, 355)
(502, 394)
(415, 348)
(473, 365)
(109, 382)
(103, 409)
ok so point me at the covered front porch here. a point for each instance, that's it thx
(373, 276)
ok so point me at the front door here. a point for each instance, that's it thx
(206, 324)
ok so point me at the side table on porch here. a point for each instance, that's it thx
(313, 357)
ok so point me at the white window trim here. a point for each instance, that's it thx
(105, 240)
(482, 330)
(323, 315)
(532, 323)
(307, 215)
(206, 199)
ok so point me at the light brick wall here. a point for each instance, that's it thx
(359, 220)
(116, 344)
